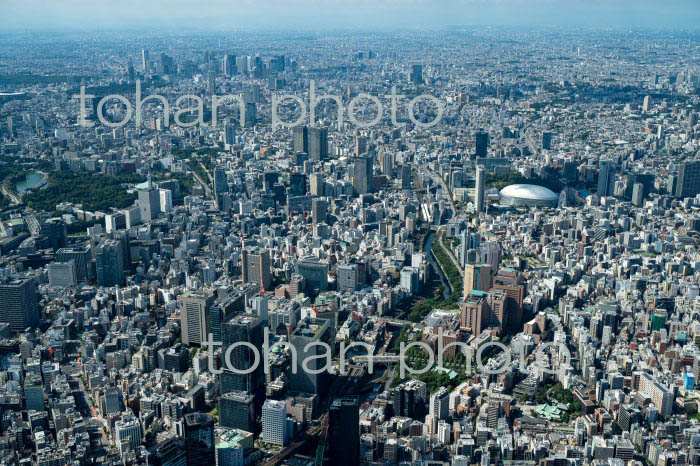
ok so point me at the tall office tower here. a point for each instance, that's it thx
(318, 143)
(33, 392)
(473, 313)
(128, 433)
(416, 74)
(409, 399)
(476, 277)
(482, 144)
(547, 141)
(251, 114)
(344, 432)
(237, 411)
(149, 203)
(638, 194)
(198, 431)
(647, 104)
(297, 184)
(169, 452)
(10, 126)
(229, 65)
(211, 82)
(440, 404)
(56, 232)
(62, 274)
(480, 188)
(347, 277)
(406, 176)
(315, 273)
(81, 256)
(386, 163)
(361, 145)
(301, 139)
(310, 331)
(19, 305)
(229, 134)
(274, 422)
(231, 446)
(319, 210)
(255, 265)
(109, 263)
(316, 184)
(363, 176)
(194, 317)
(166, 200)
(144, 59)
(242, 328)
(514, 285)
(688, 180)
(606, 178)
(220, 181)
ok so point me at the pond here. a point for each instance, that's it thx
(31, 181)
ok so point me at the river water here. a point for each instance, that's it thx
(429, 254)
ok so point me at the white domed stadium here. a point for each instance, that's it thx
(528, 195)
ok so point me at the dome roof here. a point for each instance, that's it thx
(529, 191)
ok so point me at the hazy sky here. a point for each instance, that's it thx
(308, 14)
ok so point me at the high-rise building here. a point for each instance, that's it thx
(229, 66)
(515, 287)
(473, 313)
(347, 277)
(344, 432)
(80, 255)
(482, 144)
(646, 106)
(476, 277)
(362, 180)
(255, 265)
(56, 232)
(310, 331)
(440, 404)
(166, 200)
(169, 452)
(301, 139)
(406, 176)
(128, 434)
(229, 134)
(638, 194)
(241, 331)
(318, 143)
(62, 274)
(194, 317)
(319, 210)
(220, 181)
(409, 399)
(416, 74)
(606, 178)
(274, 422)
(144, 59)
(315, 273)
(480, 188)
(198, 431)
(546, 141)
(231, 446)
(109, 263)
(237, 410)
(659, 394)
(688, 180)
(33, 393)
(149, 204)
